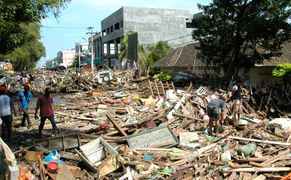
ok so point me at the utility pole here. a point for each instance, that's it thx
(79, 58)
(90, 29)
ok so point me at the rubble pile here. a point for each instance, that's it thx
(146, 129)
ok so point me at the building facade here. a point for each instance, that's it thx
(151, 25)
(66, 57)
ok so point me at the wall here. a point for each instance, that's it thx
(68, 58)
(155, 25)
(259, 74)
(116, 17)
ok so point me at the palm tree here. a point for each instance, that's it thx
(143, 57)
(124, 46)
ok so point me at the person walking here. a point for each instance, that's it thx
(24, 98)
(6, 107)
(45, 104)
(237, 101)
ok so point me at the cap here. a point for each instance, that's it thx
(3, 89)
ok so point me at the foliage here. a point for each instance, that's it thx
(16, 15)
(241, 33)
(164, 76)
(26, 56)
(282, 70)
(124, 46)
(143, 57)
(147, 56)
(75, 63)
(158, 51)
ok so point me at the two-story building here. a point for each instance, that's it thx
(150, 24)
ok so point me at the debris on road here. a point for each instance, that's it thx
(118, 127)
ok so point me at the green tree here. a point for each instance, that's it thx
(124, 46)
(158, 51)
(241, 33)
(15, 15)
(26, 56)
(143, 58)
(282, 70)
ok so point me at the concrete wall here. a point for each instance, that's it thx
(151, 24)
(155, 25)
(68, 58)
(116, 17)
(259, 74)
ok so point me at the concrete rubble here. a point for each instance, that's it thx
(135, 127)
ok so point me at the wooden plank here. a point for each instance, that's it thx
(150, 85)
(265, 169)
(275, 158)
(173, 86)
(119, 129)
(163, 88)
(157, 88)
(64, 173)
(259, 141)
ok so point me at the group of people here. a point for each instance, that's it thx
(24, 97)
(216, 109)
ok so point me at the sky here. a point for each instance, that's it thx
(71, 26)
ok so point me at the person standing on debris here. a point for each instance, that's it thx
(24, 98)
(45, 104)
(6, 107)
(237, 101)
(215, 111)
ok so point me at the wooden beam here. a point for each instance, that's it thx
(117, 127)
(259, 141)
(265, 169)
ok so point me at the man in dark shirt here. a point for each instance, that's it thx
(45, 104)
(215, 111)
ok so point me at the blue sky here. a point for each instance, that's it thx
(70, 27)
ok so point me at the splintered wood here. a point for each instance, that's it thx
(149, 129)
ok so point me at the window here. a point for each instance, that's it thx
(105, 49)
(112, 49)
(118, 48)
(107, 31)
(104, 32)
(121, 24)
(111, 28)
(116, 26)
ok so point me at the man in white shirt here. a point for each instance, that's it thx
(5, 112)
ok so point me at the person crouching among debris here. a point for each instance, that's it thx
(215, 112)
(45, 104)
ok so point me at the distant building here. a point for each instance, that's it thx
(97, 47)
(151, 25)
(82, 50)
(51, 64)
(66, 57)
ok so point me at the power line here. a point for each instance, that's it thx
(63, 27)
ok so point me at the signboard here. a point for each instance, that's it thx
(156, 137)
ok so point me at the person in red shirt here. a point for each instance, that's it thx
(45, 104)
